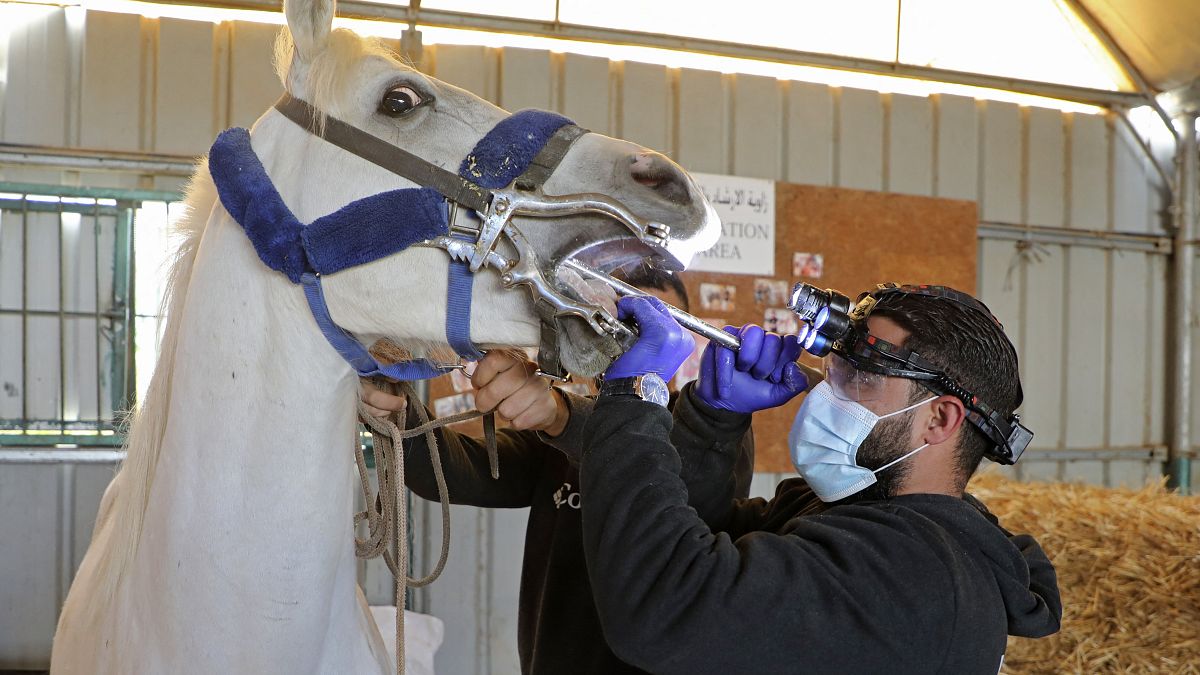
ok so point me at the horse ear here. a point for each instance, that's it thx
(309, 22)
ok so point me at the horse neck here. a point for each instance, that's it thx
(256, 449)
(248, 525)
(250, 360)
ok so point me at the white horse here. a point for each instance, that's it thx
(224, 544)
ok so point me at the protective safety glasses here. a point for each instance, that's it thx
(850, 383)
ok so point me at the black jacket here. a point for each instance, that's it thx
(915, 584)
(558, 630)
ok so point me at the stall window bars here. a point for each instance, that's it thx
(80, 279)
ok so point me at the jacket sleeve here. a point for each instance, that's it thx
(1042, 614)
(675, 597)
(716, 448)
(468, 474)
(716, 452)
(570, 441)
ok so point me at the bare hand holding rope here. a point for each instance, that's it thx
(506, 384)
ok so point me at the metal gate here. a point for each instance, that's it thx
(69, 310)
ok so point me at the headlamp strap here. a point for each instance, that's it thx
(944, 292)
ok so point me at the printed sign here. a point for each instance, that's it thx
(747, 210)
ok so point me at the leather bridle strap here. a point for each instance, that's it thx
(532, 179)
(548, 158)
(385, 155)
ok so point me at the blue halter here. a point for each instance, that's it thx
(371, 228)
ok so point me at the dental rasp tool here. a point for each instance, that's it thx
(688, 321)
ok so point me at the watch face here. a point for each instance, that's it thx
(654, 389)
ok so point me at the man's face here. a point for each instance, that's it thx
(891, 437)
(668, 296)
(893, 392)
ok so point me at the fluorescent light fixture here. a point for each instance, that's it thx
(1031, 39)
(726, 64)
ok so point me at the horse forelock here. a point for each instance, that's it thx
(328, 79)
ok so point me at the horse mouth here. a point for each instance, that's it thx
(621, 255)
(589, 291)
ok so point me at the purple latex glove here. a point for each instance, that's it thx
(762, 374)
(662, 345)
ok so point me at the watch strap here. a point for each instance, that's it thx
(619, 386)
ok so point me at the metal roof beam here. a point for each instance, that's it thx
(96, 160)
(1183, 100)
(1131, 71)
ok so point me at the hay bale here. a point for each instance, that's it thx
(1128, 565)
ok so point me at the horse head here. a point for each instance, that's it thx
(607, 204)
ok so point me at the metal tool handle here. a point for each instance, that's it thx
(688, 321)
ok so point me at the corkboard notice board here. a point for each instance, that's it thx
(863, 238)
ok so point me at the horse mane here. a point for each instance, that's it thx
(325, 81)
(148, 421)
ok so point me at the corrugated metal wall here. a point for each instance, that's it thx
(1087, 315)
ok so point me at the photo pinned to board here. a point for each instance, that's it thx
(717, 297)
(808, 265)
(453, 405)
(460, 381)
(770, 292)
(782, 321)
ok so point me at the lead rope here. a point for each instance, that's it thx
(386, 512)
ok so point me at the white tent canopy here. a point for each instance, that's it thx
(1113, 45)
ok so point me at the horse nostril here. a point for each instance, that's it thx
(661, 175)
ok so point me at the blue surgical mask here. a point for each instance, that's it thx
(825, 438)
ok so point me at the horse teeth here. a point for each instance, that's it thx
(592, 292)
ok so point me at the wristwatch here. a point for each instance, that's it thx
(649, 387)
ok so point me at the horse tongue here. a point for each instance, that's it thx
(592, 292)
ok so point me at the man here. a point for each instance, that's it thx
(558, 630)
(876, 561)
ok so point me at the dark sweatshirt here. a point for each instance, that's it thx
(915, 584)
(558, 630)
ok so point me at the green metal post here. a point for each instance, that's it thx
(1179, 475)
(121, 369)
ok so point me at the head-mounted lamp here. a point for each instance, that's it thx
(830, 324)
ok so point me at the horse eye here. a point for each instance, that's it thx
(400, 101)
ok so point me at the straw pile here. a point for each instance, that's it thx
(1128, 565)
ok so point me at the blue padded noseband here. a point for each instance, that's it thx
(360, 232)
(371, 228)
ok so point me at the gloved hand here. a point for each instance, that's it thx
(762, 374)
(662, 345)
